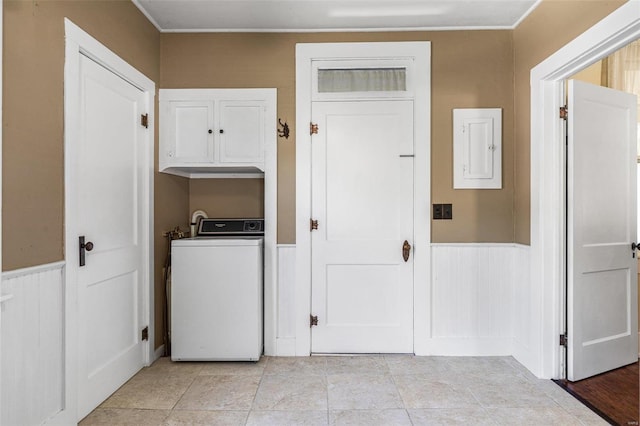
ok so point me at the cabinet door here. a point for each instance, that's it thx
(242, 131)
(191, 132)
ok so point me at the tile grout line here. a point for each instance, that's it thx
(195, 376)
(395, 384)
(326, 380)
(253, 401)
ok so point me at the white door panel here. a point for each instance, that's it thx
(111, 331)
(109, 210)
(602, 288)
(346, 283)
(362, 197)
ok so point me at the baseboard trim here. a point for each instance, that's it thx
(286, 346)
(158, 354)
(471, 346)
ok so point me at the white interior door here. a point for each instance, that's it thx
(109, 207)
(602, 304)
(362, 198)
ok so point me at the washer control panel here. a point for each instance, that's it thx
(254, 225)
(230, 227)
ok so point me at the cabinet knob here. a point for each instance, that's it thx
(221, 131)
(210, 131)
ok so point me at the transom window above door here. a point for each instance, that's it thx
(362, 78)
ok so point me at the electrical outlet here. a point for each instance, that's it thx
(447, 211)
(437, 211)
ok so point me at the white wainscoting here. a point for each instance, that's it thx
(525, 326)
(475, 289)
(480, 297)
(286, 291)
(32, 344)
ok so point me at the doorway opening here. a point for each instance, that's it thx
(547, 174)
(547, 171)
(613, 391)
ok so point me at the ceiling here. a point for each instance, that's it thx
(332, 15)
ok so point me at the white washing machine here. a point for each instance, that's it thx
(216, 292)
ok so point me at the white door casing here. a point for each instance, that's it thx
(362, 198)
(109, 199)
(542, 354)
(602, 303)
(417, 55)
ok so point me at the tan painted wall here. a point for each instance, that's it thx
(592, 74)
(33, 168)
(469, 69)
(549, 27)
(227, 198)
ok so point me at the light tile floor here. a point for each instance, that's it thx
(358, 390)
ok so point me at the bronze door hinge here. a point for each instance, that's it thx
(313, 225)
(564, 112)
(563, 340)
(145, 334)
(313, 129)
(144, 120)
(313, 320)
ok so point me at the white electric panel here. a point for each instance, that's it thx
(477, 148)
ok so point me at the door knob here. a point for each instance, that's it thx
(82, 247)
(634, 246)
(406, 249)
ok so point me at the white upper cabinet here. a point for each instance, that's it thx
(215, 132)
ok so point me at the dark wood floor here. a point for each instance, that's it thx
(613, 395)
